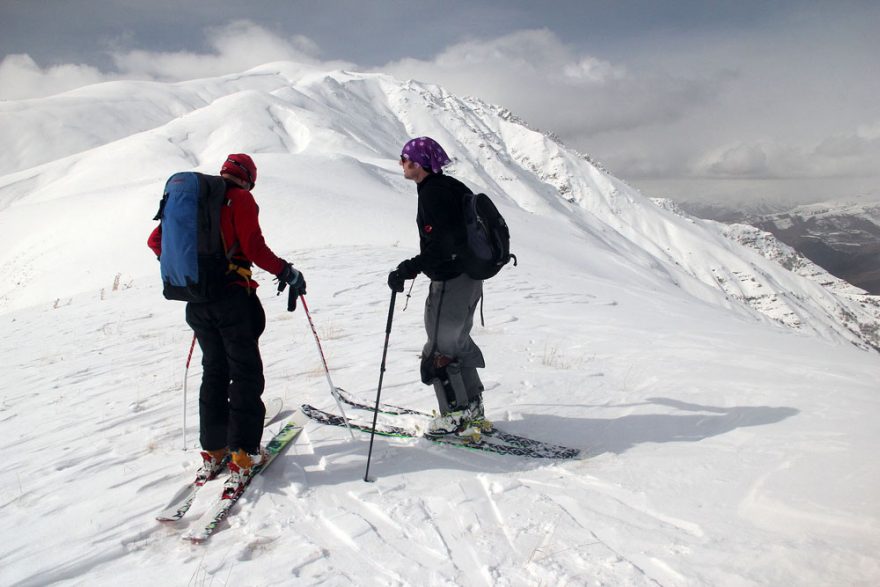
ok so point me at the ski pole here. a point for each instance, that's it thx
(185, 375)
(333, 391)
(379, 390)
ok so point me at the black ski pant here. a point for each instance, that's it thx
(230, 409)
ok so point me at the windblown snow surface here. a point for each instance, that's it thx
(725, 442)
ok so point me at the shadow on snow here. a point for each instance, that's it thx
(594, 436)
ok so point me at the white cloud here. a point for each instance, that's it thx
(842, 155)
(235, 47)
(555, 87)
(776, 102)
(739, 160)
(592, 70)
(870, 131)
(21, 77)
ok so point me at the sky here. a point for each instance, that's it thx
(771, 101)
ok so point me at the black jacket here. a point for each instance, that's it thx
(441, 226)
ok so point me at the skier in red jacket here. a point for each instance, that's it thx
(228, 330)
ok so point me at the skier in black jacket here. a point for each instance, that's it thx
(450, 357)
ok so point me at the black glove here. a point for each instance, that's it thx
(395, 281)
(406, 270)
(296, 281)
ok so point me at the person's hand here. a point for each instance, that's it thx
(290, 276)
(406, 270)
(395, 281)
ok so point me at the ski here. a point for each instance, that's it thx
(184, 498)
(383, 408)
(323, 417)
(209, 521)
(180, 504)
(391, 410)
(488, 442)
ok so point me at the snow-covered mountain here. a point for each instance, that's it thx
(306, 124)
(854, 307)
(843, 236)
(722, 402)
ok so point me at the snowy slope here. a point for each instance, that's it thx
(842, 235)
(721, 447)
(854, 307)
(308, 125)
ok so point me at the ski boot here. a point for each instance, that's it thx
(213, 463)
(241, 468)
(475, 423)
(468, 424)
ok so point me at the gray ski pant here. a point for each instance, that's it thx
(449, 318)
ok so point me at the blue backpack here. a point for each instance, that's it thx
(487, 247)
(194, 262)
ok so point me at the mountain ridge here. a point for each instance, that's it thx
(296, 118)
(843, 236)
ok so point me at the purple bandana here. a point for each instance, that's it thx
(426, 152)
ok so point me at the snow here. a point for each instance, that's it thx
(723, 445)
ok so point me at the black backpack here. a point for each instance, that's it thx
(487, 247)
(194, 262)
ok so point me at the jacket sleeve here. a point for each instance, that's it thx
(155, 241)
(250, 236)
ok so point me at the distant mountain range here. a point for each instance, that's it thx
(843, 237)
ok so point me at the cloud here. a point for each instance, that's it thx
(555, 87)
(737, 160)
(850, 155)
(774, 101)
(771, 102)
(21, 77)
(842, 155)
(862, 144)
(234, 47)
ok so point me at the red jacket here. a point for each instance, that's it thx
(239, 223)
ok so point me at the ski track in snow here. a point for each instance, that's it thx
(436, 515)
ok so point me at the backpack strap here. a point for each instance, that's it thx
(162, 203)
(241, 270)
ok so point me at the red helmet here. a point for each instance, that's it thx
(242, 167)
